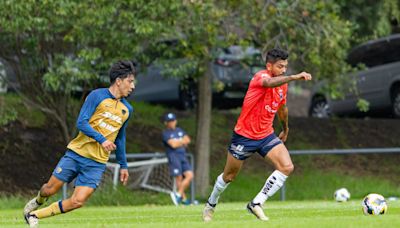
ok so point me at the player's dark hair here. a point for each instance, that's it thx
(122, 69)
(275, 55)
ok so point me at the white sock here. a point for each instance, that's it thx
(272, 185)
(219, 187)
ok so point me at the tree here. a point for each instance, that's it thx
(57, 45)
(200, 27)
(371, 19)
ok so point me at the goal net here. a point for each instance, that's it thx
(147, 171)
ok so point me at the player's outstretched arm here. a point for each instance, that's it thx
(280, 80)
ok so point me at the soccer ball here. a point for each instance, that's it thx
(374, 204)
(342, 195)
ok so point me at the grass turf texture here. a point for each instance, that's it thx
(282, 214)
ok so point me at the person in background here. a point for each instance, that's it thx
(176, 141)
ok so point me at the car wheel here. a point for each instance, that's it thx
(396, 104)
(320, 108)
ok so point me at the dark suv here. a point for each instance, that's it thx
(378, 82)
(231, 71)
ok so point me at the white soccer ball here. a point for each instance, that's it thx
(342, 195)
(374, 204)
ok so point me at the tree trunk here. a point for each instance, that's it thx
(203, 134)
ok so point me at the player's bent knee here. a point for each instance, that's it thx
(189, 175)
(287, 169)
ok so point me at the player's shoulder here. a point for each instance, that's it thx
(259, 76)
(99, 91)
(97, 95)
(178, 129)
(262, 74)
(165, 131)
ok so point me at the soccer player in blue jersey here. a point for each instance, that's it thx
(101, 123)
(176, 141)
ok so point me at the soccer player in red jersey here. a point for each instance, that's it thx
(254, 132)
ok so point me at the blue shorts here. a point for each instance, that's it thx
(87, 172)
(242, 148)
(178, 164)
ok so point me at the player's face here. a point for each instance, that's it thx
(171, 124)
(278, 68)
(126, 85)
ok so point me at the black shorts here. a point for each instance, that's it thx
(242, 148)
(178, 163)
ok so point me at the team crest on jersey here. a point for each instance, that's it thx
(58, 170)
(180, 134)
(280, 93)
(123, 111)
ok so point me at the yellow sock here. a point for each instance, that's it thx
(40, 199)
(54, 209)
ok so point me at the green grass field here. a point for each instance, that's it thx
(282, 214)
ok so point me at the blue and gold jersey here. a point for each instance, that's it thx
(102, 117)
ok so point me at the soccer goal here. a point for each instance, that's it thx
(147, 171)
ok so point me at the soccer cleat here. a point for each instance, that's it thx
(208, 212)
(186, 202)
(31, 220)
(256, 210)
(31, 206)
(175, 198)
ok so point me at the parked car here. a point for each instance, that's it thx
(378, 82)
(231, 73)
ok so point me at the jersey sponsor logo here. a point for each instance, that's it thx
(107, 126)
(113, 117)
(264, 75)
(280, 93)
(269, 109)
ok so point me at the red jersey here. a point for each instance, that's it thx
(259, 107)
